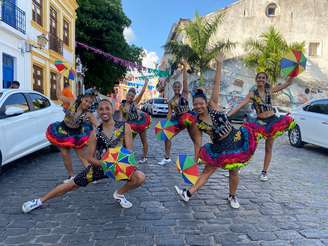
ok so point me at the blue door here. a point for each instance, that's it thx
(9, 12)
(8, 70)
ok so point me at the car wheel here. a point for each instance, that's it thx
(295, 138)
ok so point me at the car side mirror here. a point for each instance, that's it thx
(13, 111)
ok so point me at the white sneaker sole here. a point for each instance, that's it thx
(179, 192)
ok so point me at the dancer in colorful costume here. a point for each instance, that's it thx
(109, 134)
(179, 107)
(139, 121)
(230, 149)
(267, 125)
(74, 131)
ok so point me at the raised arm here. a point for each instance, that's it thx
(280, 87)
(59, 91)
(128, 139)
(185, 89)
(214, 101)
(246, 100)
(139, 97)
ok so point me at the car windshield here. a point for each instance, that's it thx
(160, 101)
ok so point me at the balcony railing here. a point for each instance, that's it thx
(12, 15)
(55, 43)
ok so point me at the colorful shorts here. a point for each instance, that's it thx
(141, 124)
(62, 136)
(88, 175)
(232, 152)
(272, 127)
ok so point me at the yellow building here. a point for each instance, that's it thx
(55, 20)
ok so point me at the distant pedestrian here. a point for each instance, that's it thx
(14, 85)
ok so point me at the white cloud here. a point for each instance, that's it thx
(129, 34)
(150, 59)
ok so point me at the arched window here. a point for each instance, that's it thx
(272, 10)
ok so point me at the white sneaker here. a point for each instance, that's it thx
(123, 201)
(164, 161)
(233, 201)
(182, 194)
(264, 177)
(31, 205)
(69, 179)
(143, 160)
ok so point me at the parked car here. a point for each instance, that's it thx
(280, 110)
(312, 124)
(156, 106)
(248, 114)
(24, 118)
(245, 114)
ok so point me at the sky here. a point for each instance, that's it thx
(152, 21)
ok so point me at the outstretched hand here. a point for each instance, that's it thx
(220, 57)
(183, 65)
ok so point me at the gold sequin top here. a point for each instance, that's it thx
(262, 105)
(221, 125)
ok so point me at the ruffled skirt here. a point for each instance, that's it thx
(141, 124)
(273, 126)
(62, 136)
(232, 152)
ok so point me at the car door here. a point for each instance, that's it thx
(314, 127)
(41, 115)
(16, 129)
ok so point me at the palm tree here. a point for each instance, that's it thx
(199, 49)
(266, 52)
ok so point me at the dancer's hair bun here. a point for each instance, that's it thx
(200, 93)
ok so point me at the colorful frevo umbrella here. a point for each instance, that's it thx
(293, 63)
(119, 163)
(166, 129)
(60, 65)
(188, 168)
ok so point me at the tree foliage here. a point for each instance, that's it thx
(266, 52)
(100, 23)
(200, 47)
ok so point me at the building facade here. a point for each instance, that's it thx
(14, 61)
(54, 19)
(298, 21)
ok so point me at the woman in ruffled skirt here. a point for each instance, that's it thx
(229, 149)
(268, 125)
(74, 131)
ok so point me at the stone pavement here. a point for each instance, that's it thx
(290, 209)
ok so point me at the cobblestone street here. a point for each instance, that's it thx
(290, 209)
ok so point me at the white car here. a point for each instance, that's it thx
(157, 106)
(312, 124)
(24, 118)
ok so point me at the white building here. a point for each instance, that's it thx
(15, 62)
(300, 21)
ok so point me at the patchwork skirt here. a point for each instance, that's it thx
(141, 124)
(232, 152)
(272, 127)
(61, 135)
